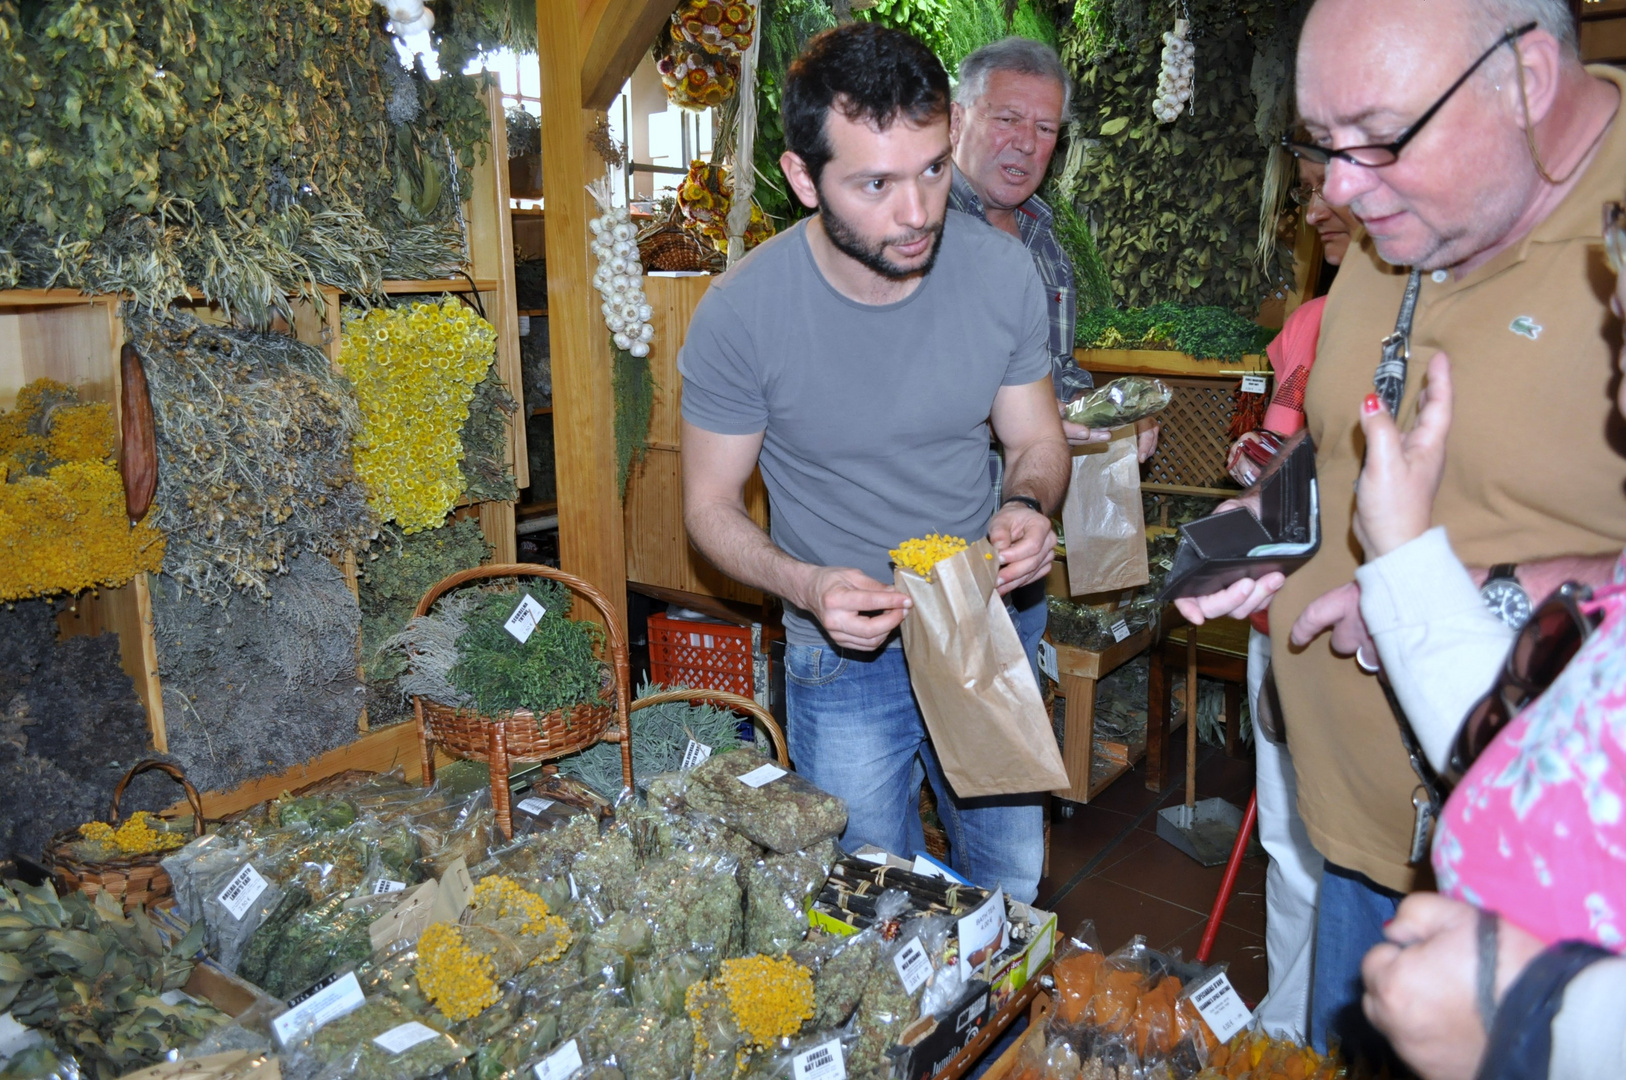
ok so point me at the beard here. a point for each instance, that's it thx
(851, 243)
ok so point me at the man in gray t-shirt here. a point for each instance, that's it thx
(861, 359)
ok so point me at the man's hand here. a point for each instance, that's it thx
(1238, 601)
(857, 611)
(1421, 983)
(1340, 612)
(1146, 432)
(1025, 543)
(1394, 498)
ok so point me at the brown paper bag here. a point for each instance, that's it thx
(982, 706)
(1102, 518)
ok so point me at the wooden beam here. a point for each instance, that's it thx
(591, 543)
(615, 34)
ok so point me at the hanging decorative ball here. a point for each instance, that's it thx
(707, 38)
(704, 198)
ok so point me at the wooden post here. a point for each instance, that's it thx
(591, 543)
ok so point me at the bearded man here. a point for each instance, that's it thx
(860, 358)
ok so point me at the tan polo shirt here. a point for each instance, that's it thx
(1530, 474)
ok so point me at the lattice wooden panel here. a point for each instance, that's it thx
(1191, 449)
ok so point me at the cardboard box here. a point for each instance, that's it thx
(931, 1044)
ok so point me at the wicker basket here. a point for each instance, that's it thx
(671, 246)
(137, 880)
(522, 735)
(759, 716)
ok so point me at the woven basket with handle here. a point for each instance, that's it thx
(521, 735)
(759, 716)
(137, 880)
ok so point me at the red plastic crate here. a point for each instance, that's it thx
(715, 656)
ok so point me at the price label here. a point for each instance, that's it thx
(983, 931)
(1221, 1007)
(1253, 384)
(524, 619)
(562, 1064)
(1048, 662)
(175, 997)
(762, 774)
(398, 1040)
(1120, 630)
(242, 890)
(913, 965)
(385, 885)
(524, 326)
(328, 1000)
(694, 754)
(534, 806)
(823, 1062)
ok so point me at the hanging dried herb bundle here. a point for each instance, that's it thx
(254, 435)
(634, 400)
(487, 475)
(254, 688)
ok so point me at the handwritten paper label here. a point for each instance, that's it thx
(524, 619)
(242, 890)
(562, 1064)
(398, 1040)
(762, 774)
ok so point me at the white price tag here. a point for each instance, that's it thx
(534, 806)
(1221, 1007)
(562, 1064)
(175, 997)
(1120, 630)
(524, 326)
(524, 619)
(1048, 662)
(1039, 953)
(385, 885)
(1253, 384)
(914, 966)
(982, 931)
(242, 890)
(328, 1000)
(694, 754)
(398, 1040)
(762, 774)
(823, 1062)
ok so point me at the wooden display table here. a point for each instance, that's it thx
(1222, 653)
(1080, 669)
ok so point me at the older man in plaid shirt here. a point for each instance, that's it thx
(1009, 107)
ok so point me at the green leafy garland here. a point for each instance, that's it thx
(1178, 203)
(634, 390)
(248, 150)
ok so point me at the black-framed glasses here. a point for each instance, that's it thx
(1377, 155)
(1614, 234)
(1541, 650)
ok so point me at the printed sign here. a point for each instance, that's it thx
(1221, 1007)
(328, 1000)
(914, 966)
(823, 1062)
(242, 890)
(1120, 630)
(1253, 384)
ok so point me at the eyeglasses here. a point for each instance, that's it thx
(1543, 647)
(1614, 234)
(1304, 194)
(1377, 155)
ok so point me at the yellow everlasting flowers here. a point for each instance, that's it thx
(135, 837)
(414, 369)
(770, 997)
(921, 555)
(63, 527)
(508, 899)
(456, 979)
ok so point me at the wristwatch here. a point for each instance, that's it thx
(1026, 500)
(1505, 597)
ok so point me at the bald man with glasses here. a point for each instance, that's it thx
(1475, 149)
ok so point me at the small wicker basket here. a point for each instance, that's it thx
(137, 880)
(522, 735)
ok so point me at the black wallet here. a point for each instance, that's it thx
(1222, 549)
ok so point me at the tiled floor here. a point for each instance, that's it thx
(1107, 864)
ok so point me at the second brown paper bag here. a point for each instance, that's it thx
(971, 676)
(1103, 521)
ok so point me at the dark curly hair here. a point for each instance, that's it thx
(868, 72)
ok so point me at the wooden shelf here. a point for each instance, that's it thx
(534, 313)
(542, 410)
(526, 211)
(1165, 362)
(536, 509)
(395, 288)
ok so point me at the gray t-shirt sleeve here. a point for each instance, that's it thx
(722, 382)
(1030, 360)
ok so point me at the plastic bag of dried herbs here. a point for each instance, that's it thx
(235, 897)
(382, 1040)
(690, 901)
(768, 805)
(841, 969)
(1125, 400)
(777, 891)
(40, 1060)
(312, 944)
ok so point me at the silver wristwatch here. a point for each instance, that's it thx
(1505, 597)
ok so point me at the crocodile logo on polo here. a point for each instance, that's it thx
(1525, 326)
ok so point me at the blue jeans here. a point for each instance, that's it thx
(1353, 910)
(856, 731)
